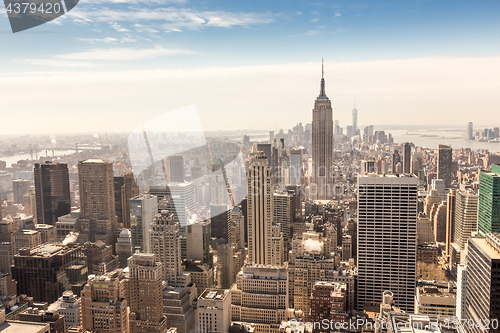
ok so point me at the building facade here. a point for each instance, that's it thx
(387, 234)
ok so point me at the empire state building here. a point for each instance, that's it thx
(321, 187)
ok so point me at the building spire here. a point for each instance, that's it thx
(322, 69)
(322, 93)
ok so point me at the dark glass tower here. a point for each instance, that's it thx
(51, 191)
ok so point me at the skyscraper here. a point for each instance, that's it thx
(466, 209)
(354, 121)
(295, 166)
(445, 155)
(260, 209)
(387, 238)
(450, 219)
(175, 168)
(470, 131)
(123, 247)
(218, 186)
(146, 294)
(20, 187)
(103, 308)
(406, 158)
(166, 245)
(483, 282)
(489, 201)
(143, 209)
(125, 189)
(46, 271)
(97, 199)
(51, 191)
(321, 186)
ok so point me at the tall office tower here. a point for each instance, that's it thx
(284, 215)
(146, 294)
(143, 210)
(450, 219)
(438, 184)
(238, 221)
(118, 182)
(125, 189)
(45, 272)
(1, 203)
(103, 308)
(406, 158)
(381, 165)
(440, 222)
(6, 257)
(166, 245)
(175, 169)
(218, 184)
(260, 210)
(445, 158)
(20, 187)
(177, 198)
(466, 210)
(328, 301)
(416, 163)
(278, 255)
(198, 242)
(221, 222)
(260, 296)
(396, 158)
(483, 282)
(470, 131)
(29, 203)
(214, 311)
(295, 166)
(225, 265)
(354, 121)
(271, 137)
(123, 247)
(322, 146)
(489, 201)
(51, 191)
(97, 199)
(387, 239)
(432, 200)
(425, 233)
(461, 291)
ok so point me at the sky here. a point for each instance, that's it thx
(111, 65)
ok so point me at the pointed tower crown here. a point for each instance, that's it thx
(322, 93)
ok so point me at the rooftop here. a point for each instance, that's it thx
(18, 327)
(214, 294)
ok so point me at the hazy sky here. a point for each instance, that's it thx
(110, 65)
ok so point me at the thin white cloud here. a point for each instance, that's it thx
(175, 18)
(338, 14)
(98, 40)
(142, 28)
(128, 40)
(57, 63)
(121, 54)
(118, 27)
(315, 19)
(312, 33)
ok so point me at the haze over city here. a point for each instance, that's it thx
(117, 61)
